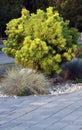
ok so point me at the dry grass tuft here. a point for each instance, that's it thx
(24, 83)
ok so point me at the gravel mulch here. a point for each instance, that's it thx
(67, 87)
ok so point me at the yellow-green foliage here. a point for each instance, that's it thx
(42, 40)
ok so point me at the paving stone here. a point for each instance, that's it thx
(5, 59)
(56, 126)
(72, 127)
(48, 112)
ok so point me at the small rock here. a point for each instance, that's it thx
(27, 70)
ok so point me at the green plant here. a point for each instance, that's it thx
(78, 80)
(42, 41)
(78, 52)
(21, 83)
(0, 49)
(72, 70)
(70, 10)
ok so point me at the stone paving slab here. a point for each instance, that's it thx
(5, 59)
(47, 112)
(1, 46)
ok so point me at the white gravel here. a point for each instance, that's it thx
(65, 88)
(4, 95)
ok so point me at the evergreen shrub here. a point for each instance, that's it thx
(42, 41)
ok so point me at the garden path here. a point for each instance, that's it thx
(5, 59)
(47, 112)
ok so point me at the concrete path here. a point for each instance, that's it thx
(63, 112)
(5, 59)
